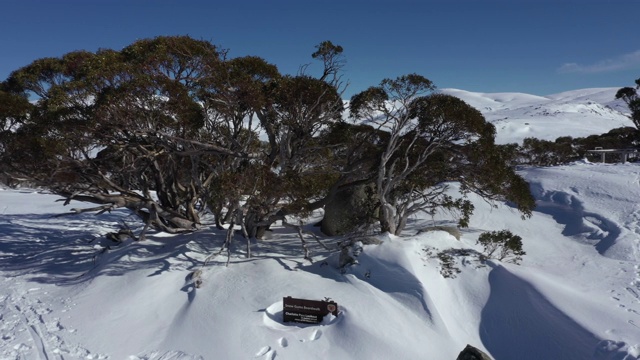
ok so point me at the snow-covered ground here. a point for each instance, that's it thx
(68, 293)
(576, 113)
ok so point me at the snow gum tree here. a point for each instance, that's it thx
(433, 139)
(168, 127)
(14, 110)
(171, 127)
(105, 127)
(630, 96)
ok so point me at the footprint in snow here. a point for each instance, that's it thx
(283, 342)
(270, 355)
(263, 351)
(633, 293)
(315, 335)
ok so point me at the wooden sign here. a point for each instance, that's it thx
(307, 311)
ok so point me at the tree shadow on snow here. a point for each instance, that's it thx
(284, 246)
(388, 277)
(518, 322)
(52, 249)
(567, 210)
(69, 250)
(73, 249)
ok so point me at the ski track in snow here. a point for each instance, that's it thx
(167, 355)
(32, 330)
(32, 325)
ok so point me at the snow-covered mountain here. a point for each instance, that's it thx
(577, 113)
(66, 292)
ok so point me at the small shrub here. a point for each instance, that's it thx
(349, 252)
(449, 268)
(451, 258)
(502, 245)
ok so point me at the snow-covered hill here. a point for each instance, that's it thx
(577, 113)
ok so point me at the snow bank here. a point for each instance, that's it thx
(577, 113)
(67, 293)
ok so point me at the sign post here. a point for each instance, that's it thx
(307, 311)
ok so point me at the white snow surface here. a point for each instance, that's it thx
(576, 113)
(66, 292)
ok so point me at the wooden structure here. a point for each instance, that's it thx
(624, 154)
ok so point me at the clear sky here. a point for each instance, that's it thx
(539, 47)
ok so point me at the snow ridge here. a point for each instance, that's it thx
(577, 113)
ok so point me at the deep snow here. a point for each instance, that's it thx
(576, 113)
(65, 295)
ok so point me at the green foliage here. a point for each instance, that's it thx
(632, 99)
(175, 116)
(462, 208)
(13, 110)
(296, 101)
(626, 93)
(442, 116)
(434, 139)
(331, 57)
(404, 88)
(448, 268)
(619, 138)
(567, 149)
(326, 50)
(407, 86)
(547, 153)
(448, 259)
(469, 154)
(367, 101)
(502, 245)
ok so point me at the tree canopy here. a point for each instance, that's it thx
(630, 96)
(433, 139)
(170, 127)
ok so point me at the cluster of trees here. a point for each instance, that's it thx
(567, 149)
(170, 127)
(630, 96)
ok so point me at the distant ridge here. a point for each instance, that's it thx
(576, 113)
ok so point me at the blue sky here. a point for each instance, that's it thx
(539, 47)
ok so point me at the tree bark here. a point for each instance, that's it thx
(387, 218)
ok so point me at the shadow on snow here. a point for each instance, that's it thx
(567, 210)
(68, 250)
(388, 277)
(74, 249)
(518, 322)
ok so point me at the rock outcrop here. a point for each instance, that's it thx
(472, 353)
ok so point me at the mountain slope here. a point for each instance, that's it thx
(577, 113)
